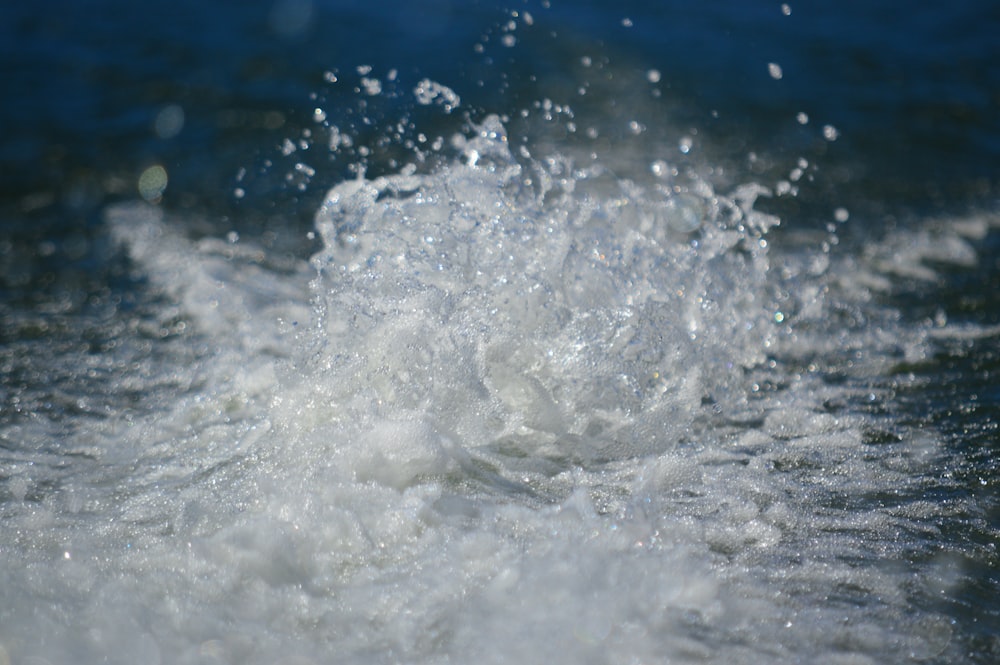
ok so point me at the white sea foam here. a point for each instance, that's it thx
(500, 416)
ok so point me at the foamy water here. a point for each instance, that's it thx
(528, 404)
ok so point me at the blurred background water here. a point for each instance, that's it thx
(894, 109)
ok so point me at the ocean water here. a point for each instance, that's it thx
(475, 332)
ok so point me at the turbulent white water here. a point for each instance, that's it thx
(514, 410)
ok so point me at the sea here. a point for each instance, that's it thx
(534, 331)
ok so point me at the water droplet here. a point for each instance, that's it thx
(169, 122)
(152, 183)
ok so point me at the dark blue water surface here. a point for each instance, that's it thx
(913, 92)
(903, 124)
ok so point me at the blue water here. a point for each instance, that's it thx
(226, 429)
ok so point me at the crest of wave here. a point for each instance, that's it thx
(540, 314)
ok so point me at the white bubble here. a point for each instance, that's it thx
(841, 215)
(830, 133)
(802, 118)
(774, 69)
(430, 92)
(653, 76)
(371, 86)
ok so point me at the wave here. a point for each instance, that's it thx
(513, 408)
